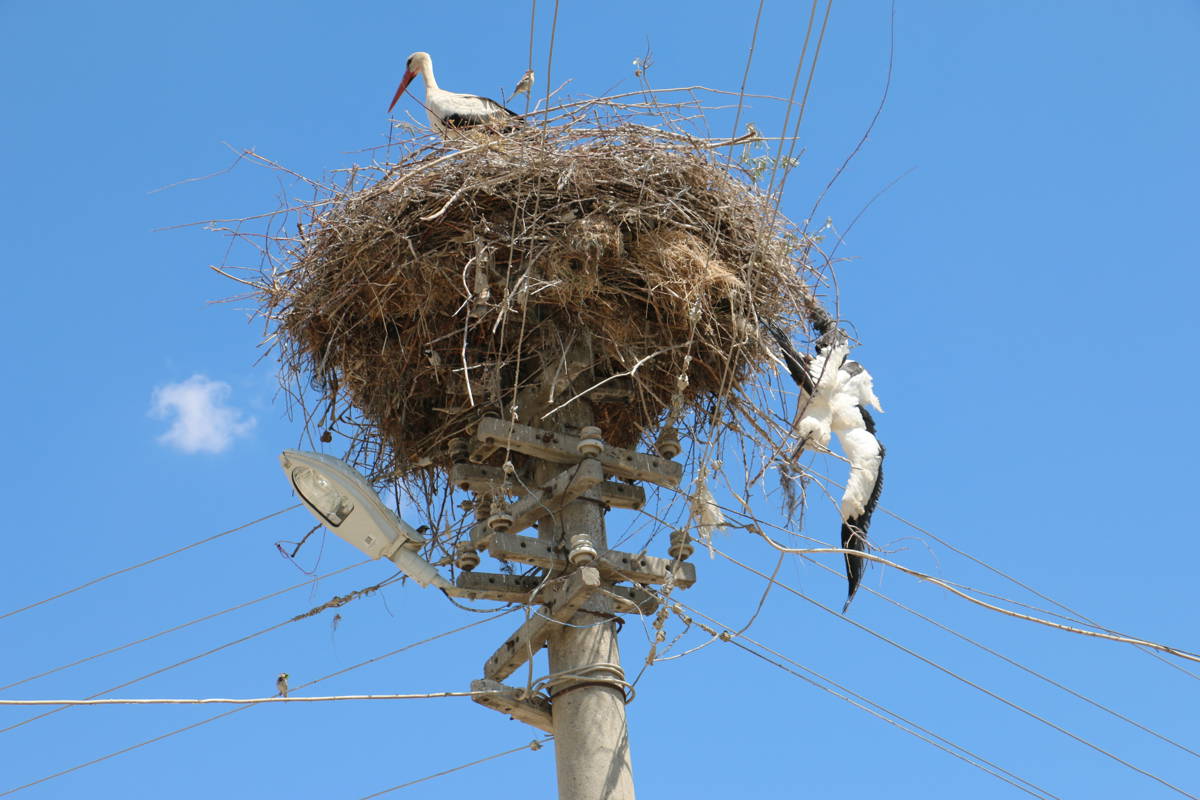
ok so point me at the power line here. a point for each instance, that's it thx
(812, 71)
(1015, 663)
(1114, 637)
(94, 581)
(961, 679)
(194, 701)
(887, 715)
(161, 670)
(791, 101)
(181, 626)
(536, 744)
(959, 589)
(737, 117)
(550, 59)
(207, 720)
(1032, 671)
(1026, 587)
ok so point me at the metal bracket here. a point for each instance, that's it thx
(533, 711)
(561, 448)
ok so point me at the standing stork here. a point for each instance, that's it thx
(450, 110)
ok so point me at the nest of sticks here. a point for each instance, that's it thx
(466, 278)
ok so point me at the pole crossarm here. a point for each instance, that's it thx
(562, 448)
(566, 486)
(560, 605)
(521, 589)
(614, 565)
(485, 480)
(531, 709)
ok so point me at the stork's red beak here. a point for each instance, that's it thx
(408, 76)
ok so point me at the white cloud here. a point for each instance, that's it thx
(202, 422)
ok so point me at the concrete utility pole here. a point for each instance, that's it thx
(591, 736)
(567, 496)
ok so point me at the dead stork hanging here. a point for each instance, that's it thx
(451, 110)
(834, 395)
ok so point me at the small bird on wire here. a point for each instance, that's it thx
(281, 684)
(523, 85)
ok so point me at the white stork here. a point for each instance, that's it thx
(450, 110)
(838, 391)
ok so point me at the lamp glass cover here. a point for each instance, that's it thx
(321, 494)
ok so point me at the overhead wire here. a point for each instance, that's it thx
(536, 744)
(94, 581)
(959, 589)
(181, 626)
(870, 706)
(202, 701)
(550, 61)
(791, 101)
(1011, 661)
(169, 667)
(1025, 586)
(948, 586)
(951, 673)
(215, 717)
(1031, 671)
(803, 106)
(737, 117)
(870, 126)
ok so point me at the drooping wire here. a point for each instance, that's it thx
(791, 101)
(951, 673)
(536, 744)
(812, 71)
(864, 703)
(169, 667)
(550, 60)
(183, 625)
(94, 581)
(870, 127)
(207, 720)
(1008, 660)
(737, 117)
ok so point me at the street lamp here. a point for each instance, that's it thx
(345, 503)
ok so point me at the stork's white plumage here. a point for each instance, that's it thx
(451, 110)
(835, 393)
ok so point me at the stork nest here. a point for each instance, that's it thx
(511, 275)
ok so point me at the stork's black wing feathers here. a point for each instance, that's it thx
(854, 530)
(793, 360)
(493, 118)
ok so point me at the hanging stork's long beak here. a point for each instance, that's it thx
(408, 76)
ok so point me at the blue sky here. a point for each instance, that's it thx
(1024, 295)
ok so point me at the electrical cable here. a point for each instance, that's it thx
(181, 626)
(94, 581)
(812, 71)
(870, 706)
(737, 117)
(960, 678)
(536, 744)
(207, 720)
(169, 667)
